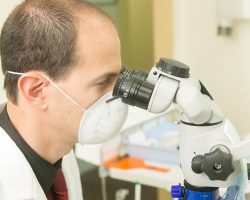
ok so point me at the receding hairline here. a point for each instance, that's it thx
(82, 11)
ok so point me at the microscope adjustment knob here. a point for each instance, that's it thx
(218, 165)
(173, 67)
(197, 163)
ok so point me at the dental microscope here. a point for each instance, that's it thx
(212, 154)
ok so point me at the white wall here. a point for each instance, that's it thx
(222, 63)
(5, 8)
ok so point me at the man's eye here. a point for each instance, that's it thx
(103, 83)
(106, 82)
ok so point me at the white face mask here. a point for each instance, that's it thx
(100, 121)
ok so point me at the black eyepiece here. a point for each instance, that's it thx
(133, 88)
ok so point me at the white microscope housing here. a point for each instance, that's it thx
(210, 148)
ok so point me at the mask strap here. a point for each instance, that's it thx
(56, 86)
(15, 73)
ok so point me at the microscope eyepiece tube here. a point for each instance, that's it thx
(133, 88)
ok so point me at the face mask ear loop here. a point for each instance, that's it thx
(15, 73)
(64, 93)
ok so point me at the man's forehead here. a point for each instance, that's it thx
(98, 47)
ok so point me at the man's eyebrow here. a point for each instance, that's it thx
(105, 76)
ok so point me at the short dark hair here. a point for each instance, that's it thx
(39, 35)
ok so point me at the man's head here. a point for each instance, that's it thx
(42, 35)
(70, 41)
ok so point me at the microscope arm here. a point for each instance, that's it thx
(197, 108)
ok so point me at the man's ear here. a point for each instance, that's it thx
(31, 86)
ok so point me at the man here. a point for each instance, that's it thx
(59, 57)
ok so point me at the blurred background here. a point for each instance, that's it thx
(211, 36)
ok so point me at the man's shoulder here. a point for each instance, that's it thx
(5, 141)
(11, 158)
(10, 154)
(15, 172)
